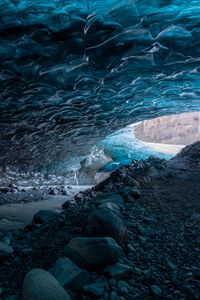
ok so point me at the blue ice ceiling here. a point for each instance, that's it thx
(72, 72)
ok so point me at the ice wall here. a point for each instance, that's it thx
(72, 72)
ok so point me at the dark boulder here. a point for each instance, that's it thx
(5, 251)
(94, 290)
(68, 274)
(104, 222)
(41, 285)
(110, 205)
(119, 271)
(44, 216)
(93, 253)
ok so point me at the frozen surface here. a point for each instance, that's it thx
(73, 72)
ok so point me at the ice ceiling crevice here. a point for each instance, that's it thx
(71, 72)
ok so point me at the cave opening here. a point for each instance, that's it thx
(99, 149)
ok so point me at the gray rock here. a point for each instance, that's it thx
(1, 291)
(96, 290)
(44, 216)
(130, 193)
(147, 274)
(41, 285)
(156, 290)
(123, 291)
(171, 265)
(7, 238)
(196, 273)
(112, 282)
(110, 205)
(66, 204)
(68, 274)
(113, 197)
(103, 282)
(148, 232)
(149, 220)
(195, 218)
(113, 295)
(103, 222)
(12, 297)
(5, 251)
(119, 271)
(189, 291)
(26, 251)
(93, 253)
(122, 283)
(135, 192)
(53, 191)
(138, 271)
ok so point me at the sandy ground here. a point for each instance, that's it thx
(18, 215)
(164, 148)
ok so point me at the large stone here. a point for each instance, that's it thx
(115, 198)
(44, 216)
(195, 218)
(12, 297)
(5, 251)
(119, 271)
(7, 238)
(104, 222)
(156, 290)
(68, 274)
(93, 253)
(94, 290)
(130, 193)
(41, 285)
(190, 153)
(110, 205)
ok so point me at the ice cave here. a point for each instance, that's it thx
(99, 149)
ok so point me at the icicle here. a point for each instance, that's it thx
(75, 177)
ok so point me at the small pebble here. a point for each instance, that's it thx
(156, 290)
(123, 291)
(95, 289)
(113, 295)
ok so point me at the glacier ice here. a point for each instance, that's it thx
(73, 72)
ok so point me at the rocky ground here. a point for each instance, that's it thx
(15, 194)
(136, 235)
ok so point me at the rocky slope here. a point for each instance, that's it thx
(133, 236)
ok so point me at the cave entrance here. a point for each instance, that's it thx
(169, 134)
(162, 137)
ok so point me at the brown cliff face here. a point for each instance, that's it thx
(181, 129)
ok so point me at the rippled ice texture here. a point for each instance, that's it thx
(72, 72)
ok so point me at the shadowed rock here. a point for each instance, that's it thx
(68, 274)
(119, 271)
(191, 152)
(5, 250)
(104, 222)
(44, 216)
(94, 290)
(93, 253)
(109, 205)
(41, 285)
